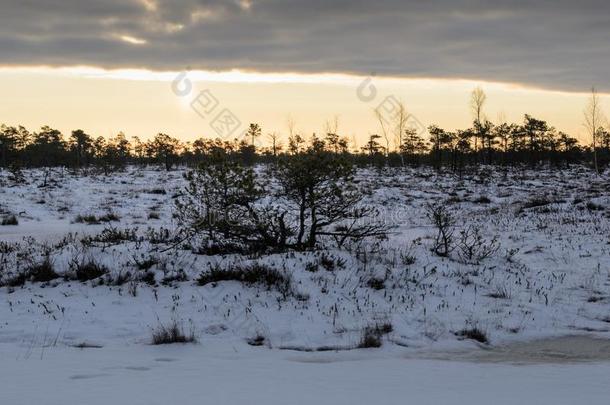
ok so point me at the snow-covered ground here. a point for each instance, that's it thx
(231, 372)
(550, 277)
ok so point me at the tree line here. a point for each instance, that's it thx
(531, 142)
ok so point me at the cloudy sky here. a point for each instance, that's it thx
(549, 52)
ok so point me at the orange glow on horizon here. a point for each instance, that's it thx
(141, 102)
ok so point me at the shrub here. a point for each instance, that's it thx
(40, 272)
(473, 334)
(119, 278)
(146, 263)
(500, 292)
(109, 217)
(369, 340)
(482, 200)
(444, 222)
(324, 196)
(148, 277)
(535, 202)
(111, 236)
(89, 219)
(226, 201)
(10, 220)
(257, 340)
(174, 276)
(132, 289)
(312, 267)
(371, 335)
(376, 283)
(89, 270)
(172, 333)
(330, 263)
(472, 247)
(382, 329)
(43, 271)
(221, 203)
(249, 275)
(159, 236)
(93, 220)
(408, 259)
(591, 206)
(17, 280)
(87, 345)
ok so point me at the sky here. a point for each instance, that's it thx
(126, 65)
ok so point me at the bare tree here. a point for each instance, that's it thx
(274, 138)
(400, 126)
(593, 122)
(295, 140)
(332, 138)
(332, 125)
(384, 125)
(291, 124)
(477, 101)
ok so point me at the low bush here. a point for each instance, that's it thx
(174, 276)
(473, 334)
(118, 278)
(482, 200)
(89, 270)
(89, 219)
(39, 273)
(9, 220)
(500, 292)
(312, 267)
(376, 283)
(444, 222)
(109, 217)
(43, 272)
(369, 340)
(16, 280)
(371, 335)
(472, 247)
(330, 263)
(93, 220)
(257, 340)
(249, 275)
(148, 277)
(535, 202)
(381, 329)
(159, 236)
(172, 333)
(408, 259)
(145, 264)
(111, 236)
(591, 206)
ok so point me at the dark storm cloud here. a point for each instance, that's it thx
(556, 44)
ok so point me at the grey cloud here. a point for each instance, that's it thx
(555, 44)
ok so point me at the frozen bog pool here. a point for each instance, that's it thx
(557, 350)
(234, 373)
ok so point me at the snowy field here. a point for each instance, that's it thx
(549, 276)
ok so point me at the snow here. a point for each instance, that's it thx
(553, 266)
(234, 373)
